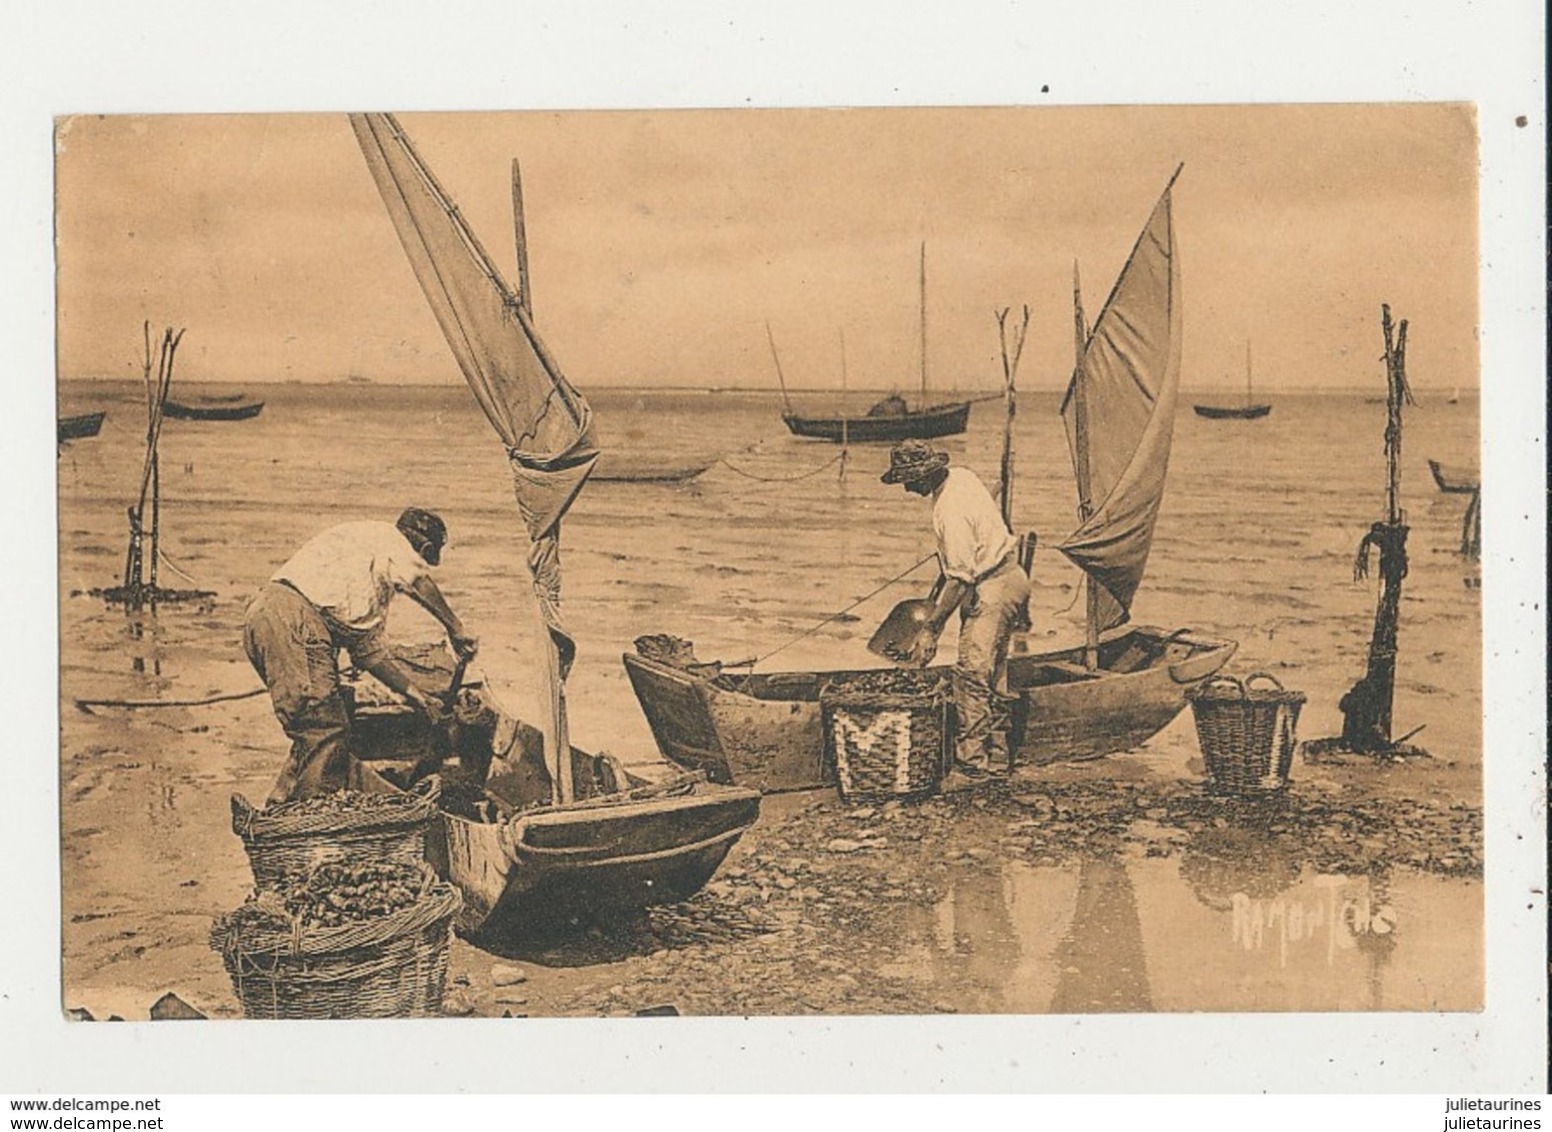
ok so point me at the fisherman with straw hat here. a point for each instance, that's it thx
(331, 594)
(982, 579)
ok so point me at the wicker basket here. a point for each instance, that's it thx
(1247, 733)
(287, 841)
(391, 967)
(886, 745)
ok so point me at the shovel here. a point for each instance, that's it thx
(897, 637)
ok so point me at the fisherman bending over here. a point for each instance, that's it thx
(977, 555)
(333, 594)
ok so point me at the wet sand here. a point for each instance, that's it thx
(1112, 885)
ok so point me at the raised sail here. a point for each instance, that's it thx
(545, 424)
(1120, 414)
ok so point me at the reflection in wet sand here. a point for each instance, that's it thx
(1102, 966)
(1133, 934)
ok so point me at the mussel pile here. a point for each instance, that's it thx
(333, 895)
(340, 802)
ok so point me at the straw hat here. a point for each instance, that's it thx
(912, 460)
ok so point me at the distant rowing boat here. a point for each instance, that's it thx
(80, 427)
(180, 411)
(615, 467)
(1454, 481)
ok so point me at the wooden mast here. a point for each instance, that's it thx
(1081, 444)
(923, 297)
(1248, 393)
(781, 380)
(563, 788)
(520, 232)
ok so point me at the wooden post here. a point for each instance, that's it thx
(1010, 364)
(1366, 708)
(845, 432)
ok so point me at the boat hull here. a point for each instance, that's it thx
(940, 420)
(1222, 413)
(624, 846)
(613, 468)
(179, 411)
(79, 428)
(559, 869)
(764, 731)
(1453, 481)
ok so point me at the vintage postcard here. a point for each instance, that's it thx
(1000, 561)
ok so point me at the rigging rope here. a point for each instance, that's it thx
(723, 460)
(836, 616)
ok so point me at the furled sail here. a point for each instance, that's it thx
(1120, 413)
(546, 424)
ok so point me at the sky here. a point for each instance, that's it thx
(661, 243)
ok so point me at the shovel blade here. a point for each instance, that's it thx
(896, 638)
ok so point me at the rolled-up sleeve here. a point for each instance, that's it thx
(367, 649)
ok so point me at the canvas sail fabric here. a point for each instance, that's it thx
(546, 424)
(1128, 375)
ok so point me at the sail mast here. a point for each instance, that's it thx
(1248, 392)
(520, 232)
(1119, 411)
(1081, 460)
(923, 278)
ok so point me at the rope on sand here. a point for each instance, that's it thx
(88, 705)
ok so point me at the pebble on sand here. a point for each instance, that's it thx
(504, 976)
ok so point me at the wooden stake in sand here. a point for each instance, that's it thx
(140, 587)
(1366, 708)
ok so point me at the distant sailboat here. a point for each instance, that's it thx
(1248, 412)
(892, 418)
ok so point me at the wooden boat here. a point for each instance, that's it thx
(222, 398)
(183, 412)
(921, 424)
(763, 729)
(1249, 411)
(80, 427)
(544, 836)
(525, 866)
(617, 467)
(891, 419)
(1454, 481)
(1228, 413)
(1121, 686)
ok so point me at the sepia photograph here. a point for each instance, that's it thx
(770, 562)
(656, 552)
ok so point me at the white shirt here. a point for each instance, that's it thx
(972, 538)
(350, 572)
